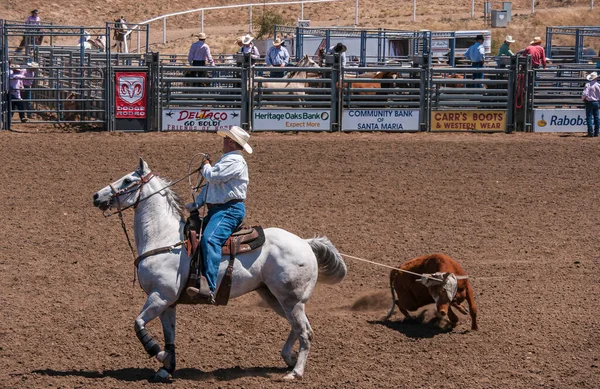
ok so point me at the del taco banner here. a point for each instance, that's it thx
(131, 95)
(201, 119)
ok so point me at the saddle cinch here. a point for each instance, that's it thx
(244, 239)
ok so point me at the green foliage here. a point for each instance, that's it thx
(267, 21)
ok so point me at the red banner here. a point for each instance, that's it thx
(131, 95)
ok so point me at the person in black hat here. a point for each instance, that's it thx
(339, 48)
(476, 54)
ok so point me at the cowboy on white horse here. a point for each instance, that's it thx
(224, 195)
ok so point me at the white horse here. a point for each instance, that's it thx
(283, 271)
(292, 75)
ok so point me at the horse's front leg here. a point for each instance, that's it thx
(155, 305)
(167, 357)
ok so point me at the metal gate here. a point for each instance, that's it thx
(471, 99)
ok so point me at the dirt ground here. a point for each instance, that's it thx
(519, 212)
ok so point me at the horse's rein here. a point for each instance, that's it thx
(137, 186)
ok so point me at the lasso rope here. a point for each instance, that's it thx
(400, 270)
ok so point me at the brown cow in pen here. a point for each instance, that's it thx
(444, 282)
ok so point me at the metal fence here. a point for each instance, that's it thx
(76, 86)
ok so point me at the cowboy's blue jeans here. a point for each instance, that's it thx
(593, 117)
(221, 221)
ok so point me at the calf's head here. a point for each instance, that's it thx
(442, 288)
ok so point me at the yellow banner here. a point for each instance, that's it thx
(468, 120)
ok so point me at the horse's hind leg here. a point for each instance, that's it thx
(287, 352)
(154, 306)
(301, 327)
(167, 357)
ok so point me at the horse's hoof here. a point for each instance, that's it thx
(161, 375)
(292, 376)
(291, 359)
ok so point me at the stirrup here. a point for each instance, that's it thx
(200, 295)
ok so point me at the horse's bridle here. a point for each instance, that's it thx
(130, 189)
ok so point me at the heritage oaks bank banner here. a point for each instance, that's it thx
(300, 120)
(468, 120)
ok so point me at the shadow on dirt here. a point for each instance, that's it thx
(231, 373)
(137, 374)
(129, 374)
(413, 328)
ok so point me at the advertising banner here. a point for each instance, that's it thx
(559, 120)
(297, 120)
(131, 94)
(461, 120)
(201, 119)
(380, 120)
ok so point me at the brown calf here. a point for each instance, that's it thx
(413, 293)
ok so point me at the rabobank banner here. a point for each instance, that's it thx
(380, 120)
(287, 120)
(559, 120)
(210, 119)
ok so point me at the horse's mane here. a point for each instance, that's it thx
(173, 199)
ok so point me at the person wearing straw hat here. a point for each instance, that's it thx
(16, 86)
(505, 50)
(224, 196)
(199, 55)
(591, 98)
(537, 52)
(505, 47)
(277, 56)
(249, 48)
(28, 81)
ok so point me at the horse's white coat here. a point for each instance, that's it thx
(283, 271)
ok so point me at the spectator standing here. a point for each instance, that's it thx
(277, 56)
(199, 55)
(340, 49)
(16, 86)
(591, 98)
(476, 54)
(28, 81)
(248, 47)
(537, 52)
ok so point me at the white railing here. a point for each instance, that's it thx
(201, 10)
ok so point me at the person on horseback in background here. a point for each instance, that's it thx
(224, 195)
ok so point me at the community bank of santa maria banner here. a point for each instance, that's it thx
(208, 120)
(380, 120)
(559, 120)
(296, 120)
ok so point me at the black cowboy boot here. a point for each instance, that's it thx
(201, 295)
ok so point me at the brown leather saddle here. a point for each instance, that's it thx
(244, 239)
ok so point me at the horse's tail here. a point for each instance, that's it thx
(332, 268)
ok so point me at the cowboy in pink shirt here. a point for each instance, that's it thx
(34, 18)
(16, 85)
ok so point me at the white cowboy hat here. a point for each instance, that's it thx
(15, 66)
(592, 76)
(246, 39)
(509, 39)
(201, 36)
(33, 65)
(277, 42)
(238, 135)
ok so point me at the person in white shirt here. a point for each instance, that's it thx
(224, 195)
(341, 49)
(248, 47)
